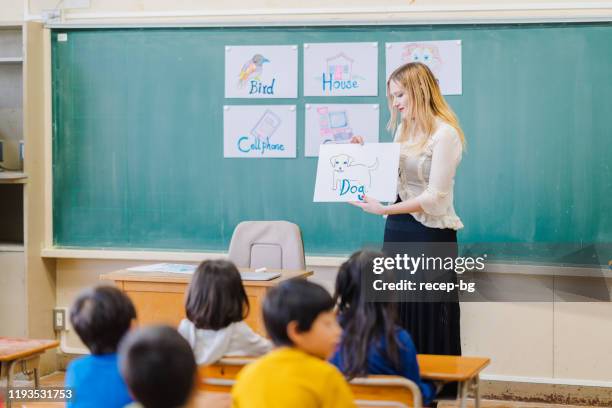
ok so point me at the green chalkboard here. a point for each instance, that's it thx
(138, 150)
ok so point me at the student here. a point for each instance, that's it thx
(159, 368)
(101, 316)
(216, 307)
(372, 343)
(299, 318)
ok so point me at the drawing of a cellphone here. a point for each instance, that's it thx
(266, 125)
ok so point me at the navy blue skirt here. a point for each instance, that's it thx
(434, 326)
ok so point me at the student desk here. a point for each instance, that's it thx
(24, 351)
(464, 370)
(160, 297)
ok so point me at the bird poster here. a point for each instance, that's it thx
(341, 69)
(259, 131)
(338, 123)
(348, 172)
(442, 57)
(261, 71)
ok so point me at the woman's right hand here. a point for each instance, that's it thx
(357, 139)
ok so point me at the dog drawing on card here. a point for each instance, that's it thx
(345, 168)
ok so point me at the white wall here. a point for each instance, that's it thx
(316, 11)
(11, 11)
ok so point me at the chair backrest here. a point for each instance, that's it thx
(370, 391)
(220, 376)
(270, 244)
(386, 391)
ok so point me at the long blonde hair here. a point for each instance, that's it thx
(426, 104)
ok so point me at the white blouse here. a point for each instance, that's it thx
(429, 176)
(237, 339)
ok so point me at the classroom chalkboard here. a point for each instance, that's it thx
(138, 139)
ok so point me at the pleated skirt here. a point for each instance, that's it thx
(434, 326)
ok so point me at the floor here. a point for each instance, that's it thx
(215, 400)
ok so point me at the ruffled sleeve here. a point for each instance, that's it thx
(446, 154)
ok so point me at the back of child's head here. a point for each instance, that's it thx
(216, 297)
(158, 367)
(294, 300)
(101, 316)
(363, 320)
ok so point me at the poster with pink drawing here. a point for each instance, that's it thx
(341, 69)
(338, 123)
(442, 57)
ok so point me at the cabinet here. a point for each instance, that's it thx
(13, 296)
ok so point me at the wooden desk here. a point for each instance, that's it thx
(464, 370)
(24, 351)
(160, 297)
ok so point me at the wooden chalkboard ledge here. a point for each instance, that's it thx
(312, 261)
(13, 177)
(113, 254)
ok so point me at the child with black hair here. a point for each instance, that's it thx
(216, 306)
(159, 368)
(299, 317)
(371, 342)
(101, 316)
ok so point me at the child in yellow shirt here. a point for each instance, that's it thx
(301, 322)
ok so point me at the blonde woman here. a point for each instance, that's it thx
(431, 146)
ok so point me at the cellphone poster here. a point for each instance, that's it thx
(259, 132)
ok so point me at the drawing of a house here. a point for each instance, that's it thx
(341, 67)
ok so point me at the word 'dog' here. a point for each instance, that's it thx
(347, 188)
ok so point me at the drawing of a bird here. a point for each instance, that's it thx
(251, 69)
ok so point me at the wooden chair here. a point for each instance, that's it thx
(371, 391)
(386, 391)
(220, 376)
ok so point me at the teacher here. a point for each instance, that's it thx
(431, 144)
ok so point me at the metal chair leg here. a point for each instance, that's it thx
(463, 391)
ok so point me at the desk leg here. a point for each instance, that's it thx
(9, 380)
(463, 391)
(29, 367)
(477, 391)
(37, 379)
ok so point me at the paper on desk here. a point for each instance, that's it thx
(164, 267)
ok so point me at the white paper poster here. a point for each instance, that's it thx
(338, 123)
(442, 57)
(346, 172)
(341, 69)
(261, 71)
(259, 131)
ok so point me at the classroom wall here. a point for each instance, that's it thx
(341, 10)
(11, 11)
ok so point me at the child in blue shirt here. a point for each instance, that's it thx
(371, 341)
(101, 316)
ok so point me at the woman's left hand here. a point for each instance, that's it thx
(370, 205)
